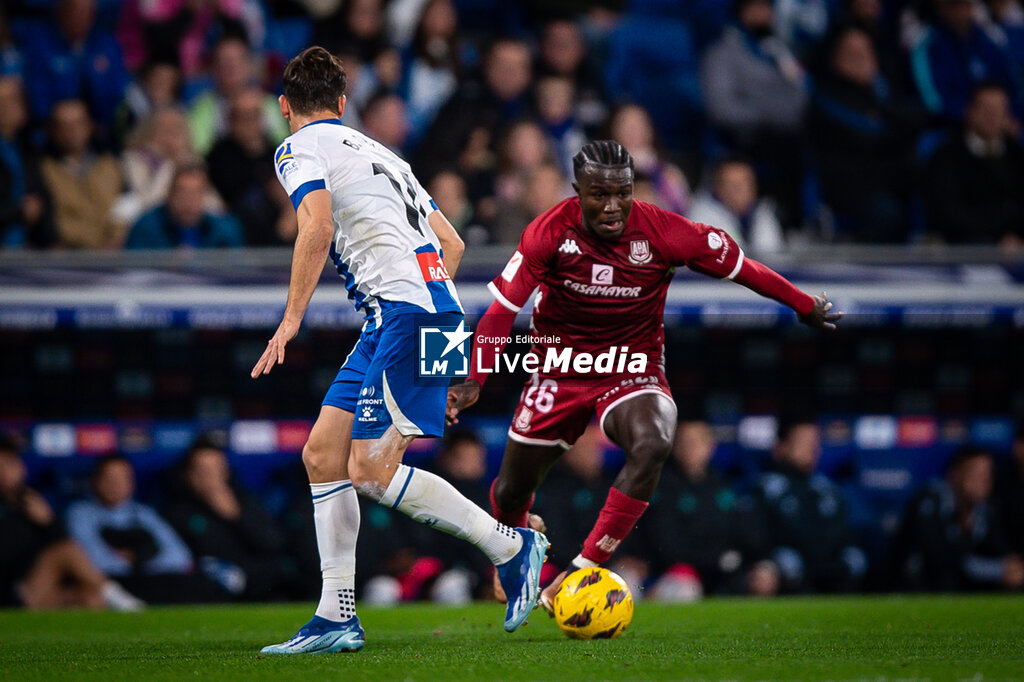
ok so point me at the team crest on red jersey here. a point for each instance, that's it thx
(522, 422)
(639, 251)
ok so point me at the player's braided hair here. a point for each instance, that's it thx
(607, 153)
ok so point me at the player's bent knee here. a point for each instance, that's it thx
(316, 460)
(311, 458)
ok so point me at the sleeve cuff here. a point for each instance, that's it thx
(305, 188)
(739, 265)
(501, 299)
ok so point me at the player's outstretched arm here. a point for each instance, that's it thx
(451, 243)
(316, 230)
(814, 311)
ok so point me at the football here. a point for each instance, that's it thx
(593, 603)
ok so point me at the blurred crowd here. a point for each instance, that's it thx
(153, 123)
(788, 531)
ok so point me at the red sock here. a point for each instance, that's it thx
(516, 518)
(617, 518)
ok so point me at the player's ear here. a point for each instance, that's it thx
(286, 110)
(341, 105)
(576, 187)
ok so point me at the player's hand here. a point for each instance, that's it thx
(274, 354)
(821, 317)
(460, 397)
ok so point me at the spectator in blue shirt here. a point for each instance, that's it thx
(40, 566)
(123, 536)
(73, 58)
(955, 55)
(183, 220)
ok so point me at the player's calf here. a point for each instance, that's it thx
(644, 427)
(645, 458)
(374, 463)
(509, 508)
(523, 468)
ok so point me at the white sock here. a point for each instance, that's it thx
(434, 501)
(336, 515)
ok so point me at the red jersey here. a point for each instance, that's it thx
(595, 294)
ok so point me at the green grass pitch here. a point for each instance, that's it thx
(935, 638)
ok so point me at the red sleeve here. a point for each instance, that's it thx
(527, 266)
(492, 335)
(711, 251)
(765, 281)
(702, 248)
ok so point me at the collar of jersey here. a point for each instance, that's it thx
(335, 121)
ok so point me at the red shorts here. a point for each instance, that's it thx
(556, 410)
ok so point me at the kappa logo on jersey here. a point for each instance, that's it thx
(639, 251)
(512, 267)
(444, 351)
(601, 274)
(569, 246)
(432, 267)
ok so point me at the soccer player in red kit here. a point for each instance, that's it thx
(603, 263)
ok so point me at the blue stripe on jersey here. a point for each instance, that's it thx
(439, 294)
(305, 188)
(332, 121)
(354, 295)
(433, 205)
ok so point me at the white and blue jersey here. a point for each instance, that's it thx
(383, 246)
(391, 262)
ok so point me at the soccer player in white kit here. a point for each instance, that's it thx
(359, 203)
